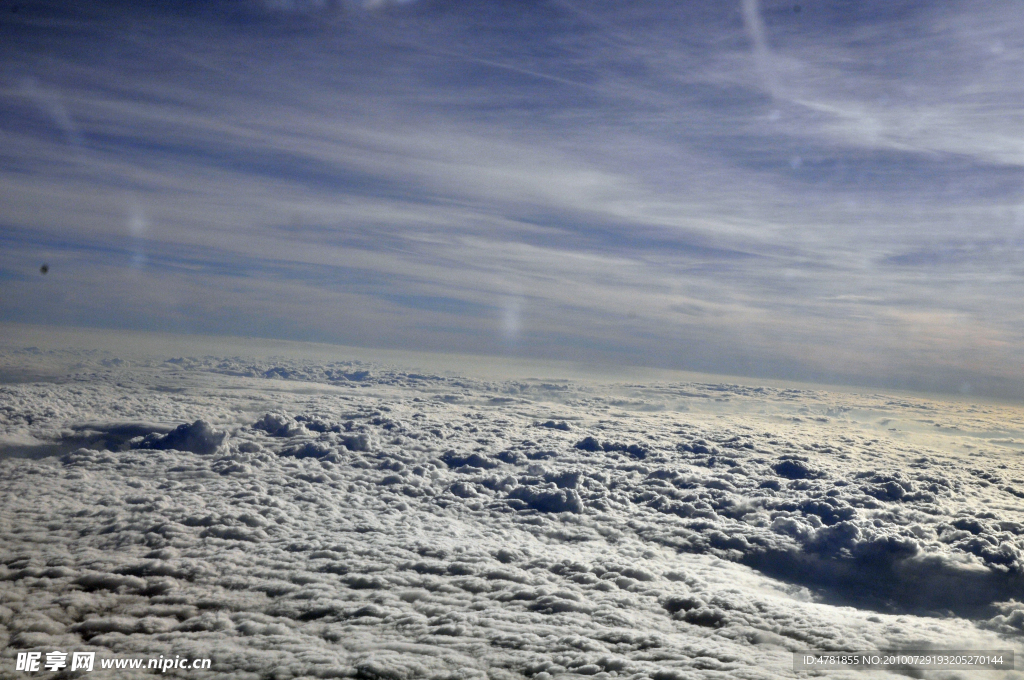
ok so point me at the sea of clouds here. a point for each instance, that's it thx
(290, 519)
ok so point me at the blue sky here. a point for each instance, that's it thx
(827, 191)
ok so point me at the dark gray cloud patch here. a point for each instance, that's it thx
(199, 437)
(99, 436)
(591, 444)
(547, 499)
(794, 468)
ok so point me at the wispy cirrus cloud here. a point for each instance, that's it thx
(567, 175)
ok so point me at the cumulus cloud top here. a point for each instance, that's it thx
(407, 525)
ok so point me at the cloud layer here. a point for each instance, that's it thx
(356, 520)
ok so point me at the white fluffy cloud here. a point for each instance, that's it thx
(299, 519)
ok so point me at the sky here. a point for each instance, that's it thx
(823, 191)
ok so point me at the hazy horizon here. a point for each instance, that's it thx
(49, 343)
